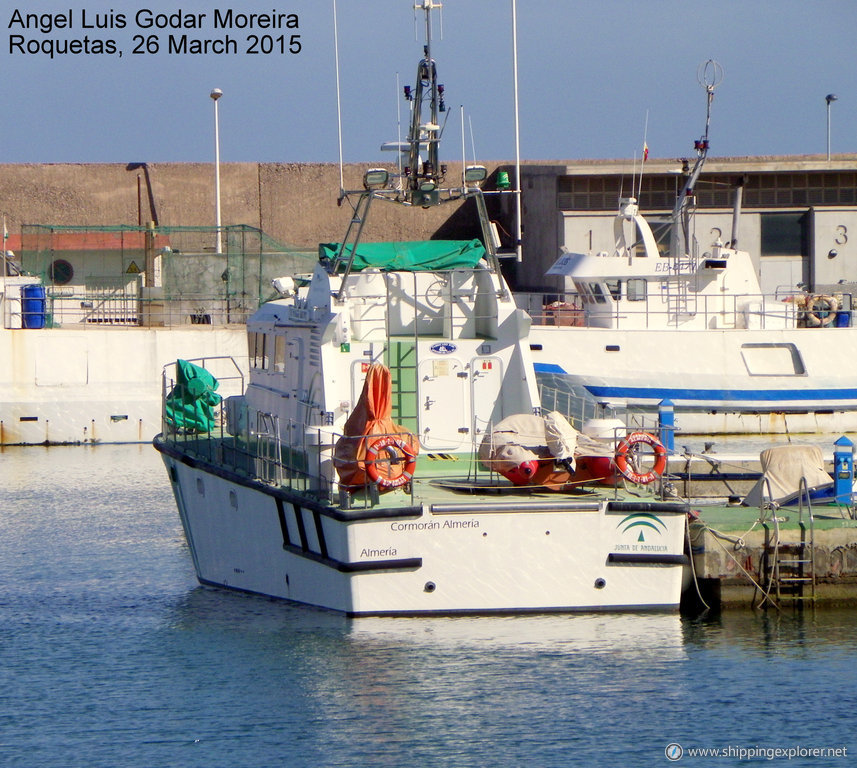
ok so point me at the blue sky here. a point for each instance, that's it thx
(589, 73)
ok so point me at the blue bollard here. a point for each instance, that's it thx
(843, 470)
(666, 424)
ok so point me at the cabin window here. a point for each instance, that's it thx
(265, 351)
(279, 353)
(597, 293)
(636, 289)
(251, 348)
(615, 288)
(257, 350)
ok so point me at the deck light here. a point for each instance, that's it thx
(375, 178)
(475, 173)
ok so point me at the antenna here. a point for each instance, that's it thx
(518, 254)
(463, 150)
(338, 100)
(398, 129)
(709, 76)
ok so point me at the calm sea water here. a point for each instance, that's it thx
(112, 655)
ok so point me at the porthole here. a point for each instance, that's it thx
(61, 272)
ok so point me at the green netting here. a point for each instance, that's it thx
(189, 407)
(417, 256)
(102, 266)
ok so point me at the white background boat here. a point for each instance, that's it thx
(690, 326)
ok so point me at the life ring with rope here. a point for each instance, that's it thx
(821, 310)
(624, 459)
(407, 462)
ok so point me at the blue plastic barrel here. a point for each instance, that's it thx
(33, 306)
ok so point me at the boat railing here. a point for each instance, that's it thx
(579, 408)
(745, 311)
(261, 447)
(109, 303)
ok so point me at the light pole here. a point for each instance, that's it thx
(215, 94)
(831, 97)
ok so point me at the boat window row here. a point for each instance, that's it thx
(267, 351)
(596, 293)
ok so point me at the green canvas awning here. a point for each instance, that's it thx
(190, 404)
(416, 256)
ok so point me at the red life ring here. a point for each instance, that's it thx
(621, 458)
(410, 462)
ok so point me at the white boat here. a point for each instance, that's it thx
(322, 486)
(690, 327)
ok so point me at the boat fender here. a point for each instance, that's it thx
(407, 474)
(522, 474)
(821, 310)
(628, 470)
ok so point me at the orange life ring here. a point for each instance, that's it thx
(621, 458)
(410, 462)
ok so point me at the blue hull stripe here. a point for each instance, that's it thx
(710, 395)
(744, 395)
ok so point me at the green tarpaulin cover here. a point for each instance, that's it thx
(190, 404)
(417, 256)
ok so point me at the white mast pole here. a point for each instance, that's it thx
(518, 251)
(463, 149)
(338, 99)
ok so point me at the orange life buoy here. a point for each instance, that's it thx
(408, 457)
(621, 458)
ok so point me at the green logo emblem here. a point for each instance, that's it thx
(642, 520)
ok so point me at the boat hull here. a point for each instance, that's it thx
(719, 381)
(446, 555)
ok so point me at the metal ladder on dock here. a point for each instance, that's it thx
(788, 567)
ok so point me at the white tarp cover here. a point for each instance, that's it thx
(524, 437)
(782, 469)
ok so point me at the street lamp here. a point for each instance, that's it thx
(831, 97)
(215, 94)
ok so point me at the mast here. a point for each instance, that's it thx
(423, 176)
(420, 182)
(709, 75)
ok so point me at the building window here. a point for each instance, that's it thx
(783, 234)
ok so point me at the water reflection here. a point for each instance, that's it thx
(110, 651)
(796, 633)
